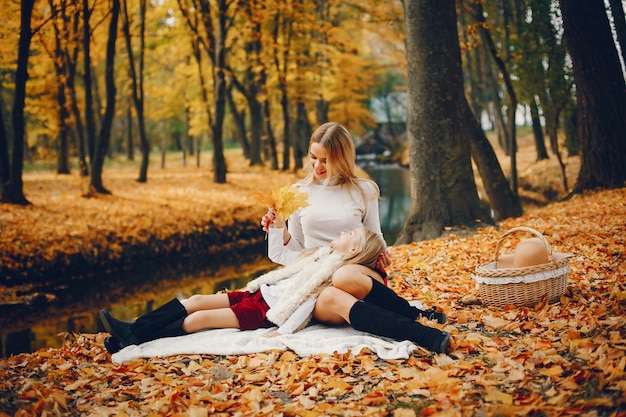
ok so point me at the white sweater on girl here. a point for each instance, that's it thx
(291, 291)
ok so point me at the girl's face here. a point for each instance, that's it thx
(318, 157)
(348, 242)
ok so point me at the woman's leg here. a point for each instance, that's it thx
(333, 306)
(350, 283)
(385, 297)
(355, 280)
(367, 285)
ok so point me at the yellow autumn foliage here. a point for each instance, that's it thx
(286, 200)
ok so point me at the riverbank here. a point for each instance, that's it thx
(65, 235)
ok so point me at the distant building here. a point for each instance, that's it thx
(390, 115)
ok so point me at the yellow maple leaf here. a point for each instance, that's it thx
(286, 200)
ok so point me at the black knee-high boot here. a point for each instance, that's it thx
(148, 327)
(172, 329)
(373, 319)
(385, 297)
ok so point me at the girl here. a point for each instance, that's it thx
(338, 200)
(283, 297)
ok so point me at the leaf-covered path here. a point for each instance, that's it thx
(566, 358)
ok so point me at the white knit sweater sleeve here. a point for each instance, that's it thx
(276, 251)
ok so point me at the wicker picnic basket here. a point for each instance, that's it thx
(523, 286)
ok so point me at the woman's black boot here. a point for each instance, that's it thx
(147, 325)
(373, 319)
(385, 297)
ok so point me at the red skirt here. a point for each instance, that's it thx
(250, 309)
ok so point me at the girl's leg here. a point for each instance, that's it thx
(220, 318)
(200, 302)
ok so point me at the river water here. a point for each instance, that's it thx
(131, 293)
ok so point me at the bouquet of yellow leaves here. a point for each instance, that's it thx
(286, 200)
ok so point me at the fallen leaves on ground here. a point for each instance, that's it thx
(565, 358)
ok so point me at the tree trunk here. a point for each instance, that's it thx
(14, 190)
(72, 61)
(284, 104)
(105, 131)
(443, 191)
(4, 153)
(283, 26)
(239, 120)
(502, 200)
(136, 78)
(600, 93)
(511, 132)
(219, 88)
(90, 118)
(302, 136)
(60, 67)
(540, 141)
(256, 125)
(130, 147)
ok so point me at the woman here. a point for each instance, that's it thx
(338, 200)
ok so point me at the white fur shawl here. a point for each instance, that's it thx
(312, 273)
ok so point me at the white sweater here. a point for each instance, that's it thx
(291, 291)
(332, 209)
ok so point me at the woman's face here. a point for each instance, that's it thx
(318, 157)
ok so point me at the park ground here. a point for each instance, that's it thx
(561, 358)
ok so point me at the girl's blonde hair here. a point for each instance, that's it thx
(372, 245)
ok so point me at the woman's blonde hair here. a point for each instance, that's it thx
(372, 245)
(341, 165)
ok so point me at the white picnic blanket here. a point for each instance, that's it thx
(316, 339)
(312, 340)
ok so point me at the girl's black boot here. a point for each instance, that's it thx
(173, 329)
(121, 335)
(373, 319)
(147, 325)
(385, 297)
